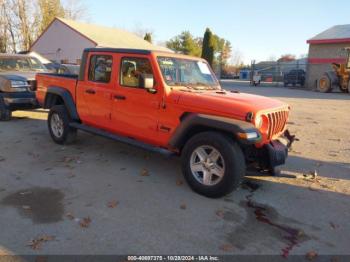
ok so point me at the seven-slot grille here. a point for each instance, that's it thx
(277, 122)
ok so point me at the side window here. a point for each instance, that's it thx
(100, 68)
(133, 69)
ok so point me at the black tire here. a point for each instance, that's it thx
(5, 113)
(344, 90)
(286, 84)
(68, 134)
(325, 84)
(234, 163)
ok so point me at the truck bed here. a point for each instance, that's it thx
(47, 80)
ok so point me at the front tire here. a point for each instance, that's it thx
(213, 164)
(344, 90)
(5, 114)
(58, 124)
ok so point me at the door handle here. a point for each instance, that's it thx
(119, 97)
(90, 91)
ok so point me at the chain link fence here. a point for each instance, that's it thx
(287, 73)
(278, 73)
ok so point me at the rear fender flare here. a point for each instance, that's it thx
(50, 100)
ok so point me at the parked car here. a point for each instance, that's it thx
(256, 80)
(54, 67)
(294, 77)
(17, 83)
(170, 103)
(68, 69)
(50, 66)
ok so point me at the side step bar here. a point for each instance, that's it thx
(121, 139)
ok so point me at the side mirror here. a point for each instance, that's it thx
(147, 82)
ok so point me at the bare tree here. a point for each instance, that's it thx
(10, 25)
(24, 13)
(48, 10)
(236, 57)
(3, 28)
(75, 10)
(141, 31)
(21, 21)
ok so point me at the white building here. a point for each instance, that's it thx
(64, 40)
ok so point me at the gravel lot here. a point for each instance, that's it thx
(101, 197)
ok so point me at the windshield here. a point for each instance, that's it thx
(192, 74)
(20, 64)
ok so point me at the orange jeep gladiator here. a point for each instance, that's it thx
(171, 103)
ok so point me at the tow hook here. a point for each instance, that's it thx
(290, 138)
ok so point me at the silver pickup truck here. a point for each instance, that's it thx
(17, 83)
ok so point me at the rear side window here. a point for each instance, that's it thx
(100, 68)
(132, 69)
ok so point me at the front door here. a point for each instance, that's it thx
(135, 110)
(95, 92)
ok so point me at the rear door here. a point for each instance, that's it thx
(135, 110)
(95, 92)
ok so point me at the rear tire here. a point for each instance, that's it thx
(213, 164)
(58, 124)
(325, 84)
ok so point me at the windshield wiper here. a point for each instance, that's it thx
(195, 86)
(206, 86)
(187, 85)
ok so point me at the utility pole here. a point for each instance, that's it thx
(252, 72)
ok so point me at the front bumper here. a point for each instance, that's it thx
(17, 101)
(269, 155)
(277, 153)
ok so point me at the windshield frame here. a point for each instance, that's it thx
(196, 86)
(38, 67)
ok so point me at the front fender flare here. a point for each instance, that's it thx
(224, 124)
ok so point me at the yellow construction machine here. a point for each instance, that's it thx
(340, 76)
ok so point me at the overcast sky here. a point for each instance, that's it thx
(257, 29)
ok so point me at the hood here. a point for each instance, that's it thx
(228, 103)
(19, 75)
